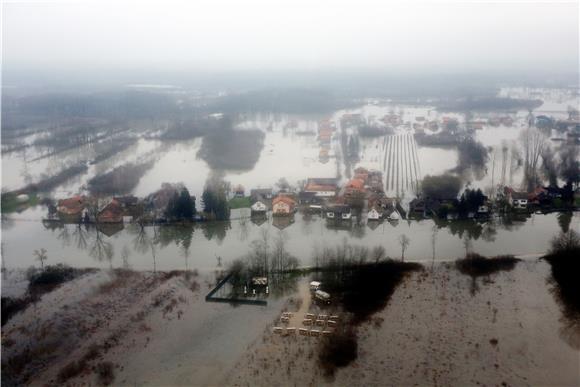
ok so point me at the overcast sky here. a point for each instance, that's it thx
(282, 35)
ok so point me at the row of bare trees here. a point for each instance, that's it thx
(270, 255)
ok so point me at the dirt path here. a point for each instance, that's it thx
(304, 294)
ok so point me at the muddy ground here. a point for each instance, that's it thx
(439, 328)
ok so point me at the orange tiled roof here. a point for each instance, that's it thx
(319, 187)
(355, 184)
(284, 199)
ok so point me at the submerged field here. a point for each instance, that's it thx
(156, 329)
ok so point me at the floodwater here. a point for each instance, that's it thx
(207, 245)
(291, 150)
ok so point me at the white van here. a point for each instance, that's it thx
(324, 297)
(314, 286)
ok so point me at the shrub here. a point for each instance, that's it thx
(565, 241)
(476, 265)
(71, 370)
(50, 277)
(338, 351)
(564, 258)
(11, 306)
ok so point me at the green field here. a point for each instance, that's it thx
(10, 204)
(243, 202)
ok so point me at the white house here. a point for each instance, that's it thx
(520, 200)
(395, 215)
(259, 207)
(338, 211)
(373, 214)
(346, 215)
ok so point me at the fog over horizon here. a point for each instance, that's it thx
(163, 41)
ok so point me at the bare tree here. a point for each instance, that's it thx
(41, 255)
(515, 160)
(492, 150)
(281, 259)
(549, 166)
(504, 156)
(154, 255)
(404, 241)
(533, 142)
(434, 231)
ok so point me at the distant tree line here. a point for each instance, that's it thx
(489, 104)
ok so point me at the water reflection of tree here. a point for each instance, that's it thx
(512, 221)
(217, 229)
(564, 220)
(64, 236)
(181, 235)
(81, 236)
(144, 243)
(227, 149)
(307, 222)
(141, 239)
(243, 225)
(358, 230)
(470, 229)
(100, 248)
(459, 228)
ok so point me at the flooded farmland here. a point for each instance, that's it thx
(281, 193)
(290, 150)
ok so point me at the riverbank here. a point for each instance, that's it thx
(440, 327)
